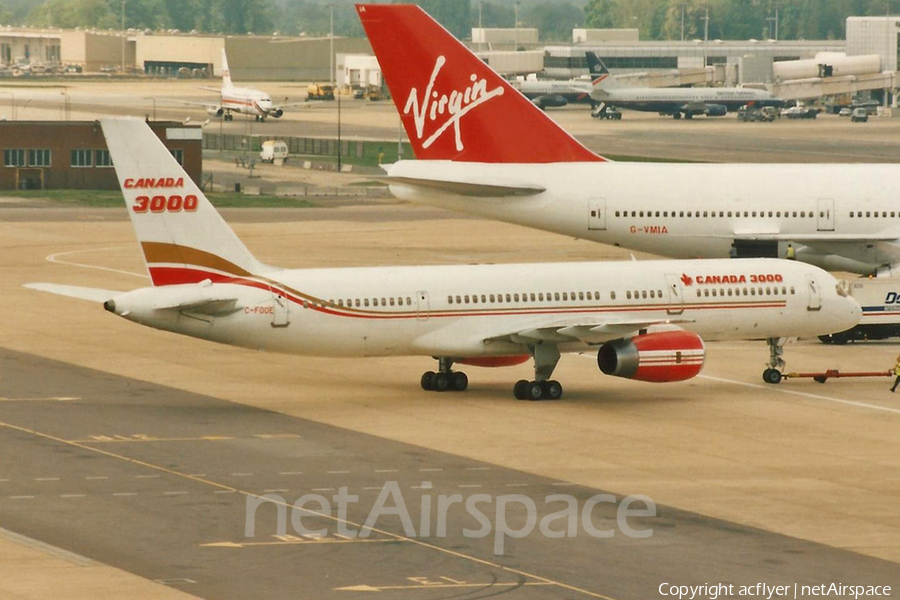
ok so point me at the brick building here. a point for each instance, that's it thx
(73, 154)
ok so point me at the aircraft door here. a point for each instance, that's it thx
(423, 306)
(597, 214)
(826, 215)
(815, 294)
(675, 294)
(281, 316)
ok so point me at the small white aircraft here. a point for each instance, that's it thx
(484, 149)
(241, 100)
(644, 320)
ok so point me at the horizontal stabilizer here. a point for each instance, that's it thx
(467, 188)
(74, 291)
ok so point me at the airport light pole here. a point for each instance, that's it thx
(516, 49)
(123, 37)
(331, 47)
(775, 20)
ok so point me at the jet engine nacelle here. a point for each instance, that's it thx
(716, 110)
(276, 113)
(550, 101)
(657, 357)
(215, 111)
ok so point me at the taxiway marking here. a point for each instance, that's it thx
(54, 258)
(780, 390)
(310, 512)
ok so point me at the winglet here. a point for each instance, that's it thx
(453, 105)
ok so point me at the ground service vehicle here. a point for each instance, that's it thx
(879, 298)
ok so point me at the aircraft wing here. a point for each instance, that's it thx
(469, 188)
(74, 291)
(212, 105)
(584, 328)
(210, 89)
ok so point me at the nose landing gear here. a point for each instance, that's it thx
(773, 372)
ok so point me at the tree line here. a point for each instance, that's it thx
(656, 19)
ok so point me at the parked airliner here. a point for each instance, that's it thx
(486, 150)
(241, 100)
(552, 93)
(644, 320)
(607, 92)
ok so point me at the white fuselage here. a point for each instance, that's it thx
(483, 310)
(841, 217)
(246, 101)
(666, 100)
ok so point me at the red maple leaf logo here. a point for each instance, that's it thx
(687, 279)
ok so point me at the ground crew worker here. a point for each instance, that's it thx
(896, 374)
(791, 255)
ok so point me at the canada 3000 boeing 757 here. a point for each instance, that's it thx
(486, 150)
(645, 320)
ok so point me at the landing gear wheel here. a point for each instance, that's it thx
(533, 391)
(428, 381)
(519, 389)
(441, 382)
(458, 381)
(551, 390)
(772, 376)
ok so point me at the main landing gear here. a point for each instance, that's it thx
(542, 388)
(445, 380)
(228, 117)
(773, 372)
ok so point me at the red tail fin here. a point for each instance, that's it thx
(453, 105)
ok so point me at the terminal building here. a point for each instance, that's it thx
(73, 154)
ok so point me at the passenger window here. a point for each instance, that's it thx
(532, 296)
(752, 291)
(699, 293)
(340, 302)
(617, 213)
(628, 294)
(449, 299)
(706, 293)
(466, 298)
(730, 292)
(729, 213)
(474, 298)
(644, 294)
(516, 297)
(565, 297)
(508, 298)
(657, 213)
(581, 295)
(612, 295)
(681, 213)
(792, 290)
(366, 301)
(392, 301)
(714, 293)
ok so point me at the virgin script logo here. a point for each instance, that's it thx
(443, 109)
